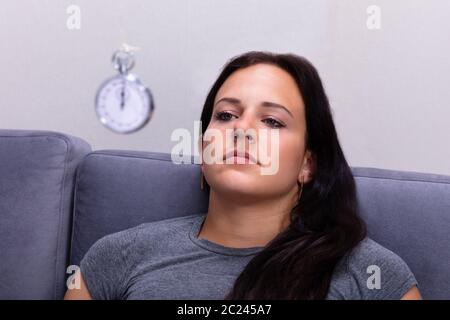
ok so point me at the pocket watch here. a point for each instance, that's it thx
(122, 103)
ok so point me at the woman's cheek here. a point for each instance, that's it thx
(289, 157)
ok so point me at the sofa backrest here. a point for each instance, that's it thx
(407, 212)
(37, 173)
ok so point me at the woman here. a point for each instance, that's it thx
(292, 234)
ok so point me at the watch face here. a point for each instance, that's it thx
(123, 104)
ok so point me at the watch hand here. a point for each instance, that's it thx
(122, 97)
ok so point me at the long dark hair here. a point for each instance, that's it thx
(324, 224)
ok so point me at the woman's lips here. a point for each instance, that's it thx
(239, 158)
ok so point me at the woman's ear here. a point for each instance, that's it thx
(308, 167)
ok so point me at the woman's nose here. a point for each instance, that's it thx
(244, 122)
(239, 134)
(246, 133)
(244, 128)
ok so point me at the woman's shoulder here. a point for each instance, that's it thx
(150, 229)
(371, 252)
(130, 238)
(112, 258)
(371, 271)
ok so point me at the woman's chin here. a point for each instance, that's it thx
(238, 173)
(237, 191)
(238, 181)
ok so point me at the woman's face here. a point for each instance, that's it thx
(262, 98)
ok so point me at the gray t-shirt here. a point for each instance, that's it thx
(166, 260)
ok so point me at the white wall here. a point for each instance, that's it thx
(389, 88)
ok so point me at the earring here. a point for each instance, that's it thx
(301, 188)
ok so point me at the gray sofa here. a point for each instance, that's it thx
(57, 197)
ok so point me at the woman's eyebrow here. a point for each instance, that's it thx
(263, 104)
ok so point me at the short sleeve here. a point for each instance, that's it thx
(106, 265)
(378, 273)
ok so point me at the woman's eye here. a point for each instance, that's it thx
(223, 116)
(226, 116)
(273, 123)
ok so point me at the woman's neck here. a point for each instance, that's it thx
(242, 223)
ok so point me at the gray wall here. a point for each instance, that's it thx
(389, 88)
